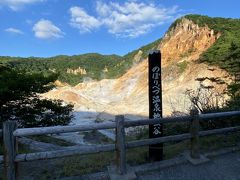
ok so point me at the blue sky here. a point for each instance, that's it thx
(46, 28)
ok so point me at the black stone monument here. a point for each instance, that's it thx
(155, 103)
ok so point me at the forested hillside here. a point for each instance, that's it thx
(94, 64)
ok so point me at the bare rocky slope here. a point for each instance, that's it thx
(181, 46)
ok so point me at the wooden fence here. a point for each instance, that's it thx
(11, 158)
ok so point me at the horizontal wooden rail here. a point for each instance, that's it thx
(219, 131)
(156, 121)
(109, 125)
(219, 115)
(179, 119)
(165, 139)
(179, 137)
(62, 129)
(69, 151)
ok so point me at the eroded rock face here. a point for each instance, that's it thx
(129, 93)
(79, 70)
(186, 41)
(60, 84)
(138, 57)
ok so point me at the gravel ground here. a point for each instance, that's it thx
(225, 167)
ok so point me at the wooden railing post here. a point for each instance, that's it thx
(120, 145)
(194, 130)
(10, 150)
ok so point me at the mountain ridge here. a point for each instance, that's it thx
(129, 92)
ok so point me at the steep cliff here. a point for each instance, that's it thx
(186, 41)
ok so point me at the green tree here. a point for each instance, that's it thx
(209, 100)
(19, 99)
(234, 93)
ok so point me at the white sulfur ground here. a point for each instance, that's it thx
(83, 118)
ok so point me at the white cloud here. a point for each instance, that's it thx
(130, 19)
(17, 4)
(14, 31)
(45, 29)
(102, 9)
(81, 20)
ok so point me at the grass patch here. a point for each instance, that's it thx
(170, 150)
(137, 156)
(95, 137)
(188, 52)
(212, 143)
(84, 164)
(22, 149)
(182, 66)
(78, 165)
(51, 140)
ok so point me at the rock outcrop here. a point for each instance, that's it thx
(79, 70)
(186, 41)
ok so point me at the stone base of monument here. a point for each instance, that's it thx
(115, 175)
(196, 161)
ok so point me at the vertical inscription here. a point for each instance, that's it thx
(155, 103)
